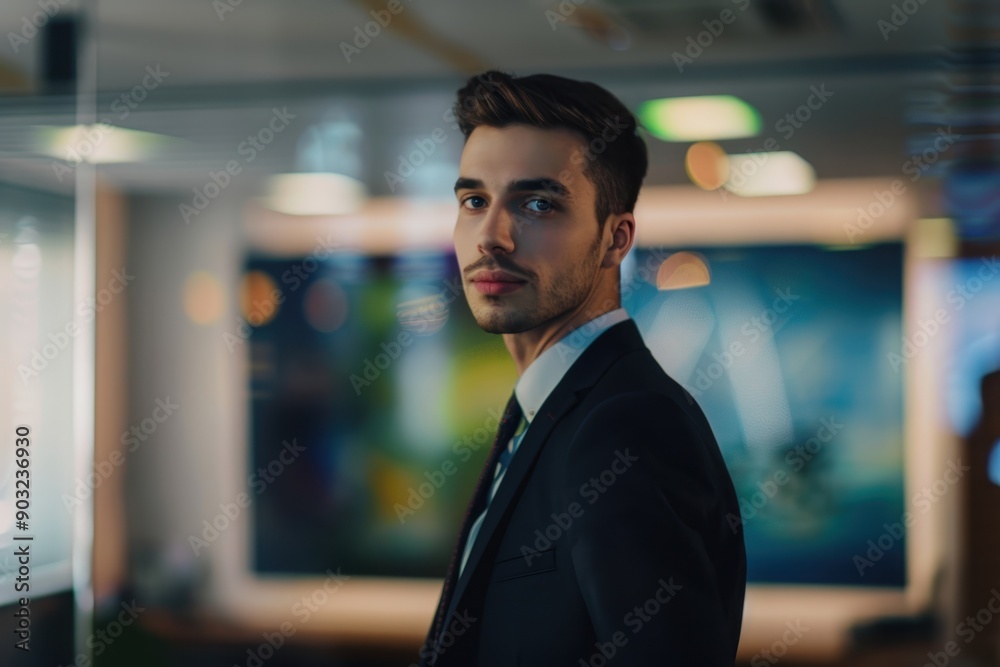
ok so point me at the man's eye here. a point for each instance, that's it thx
(477, 202)
(545, 205)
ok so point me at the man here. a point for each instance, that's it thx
(604, 538)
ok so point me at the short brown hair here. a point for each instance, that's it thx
(615, 166)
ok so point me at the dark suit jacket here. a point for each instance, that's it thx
(608, 538)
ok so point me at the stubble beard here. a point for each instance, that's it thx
(499, 315)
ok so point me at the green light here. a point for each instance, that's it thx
(704, 118)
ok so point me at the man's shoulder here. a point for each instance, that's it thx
(636, 400)
(638, 374)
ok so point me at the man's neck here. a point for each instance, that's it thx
(527, 346)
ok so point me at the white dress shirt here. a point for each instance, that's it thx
(534, 386)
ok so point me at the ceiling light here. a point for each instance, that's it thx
(314, 194)
(98, 144)
(774, 173)
(703, 118)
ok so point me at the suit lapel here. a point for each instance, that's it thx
(607, 348)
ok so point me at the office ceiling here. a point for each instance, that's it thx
(231, 61)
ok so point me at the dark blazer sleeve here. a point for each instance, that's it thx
(642, 543)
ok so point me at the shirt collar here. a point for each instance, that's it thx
(544, 373)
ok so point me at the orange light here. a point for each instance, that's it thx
(203, 300)
(259, 298)
(683, 270)
(706, 165)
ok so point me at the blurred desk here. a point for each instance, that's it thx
(168, 638)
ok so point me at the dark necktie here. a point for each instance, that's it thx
(508, 424)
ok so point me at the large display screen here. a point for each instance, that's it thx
(374, 397)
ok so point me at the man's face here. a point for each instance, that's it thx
(527, 210)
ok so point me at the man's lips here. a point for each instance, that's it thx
(497, 282)
(497, 286)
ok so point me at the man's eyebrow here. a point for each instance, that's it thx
(550, 185)
(468, 184)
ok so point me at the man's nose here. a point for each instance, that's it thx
(497, 231)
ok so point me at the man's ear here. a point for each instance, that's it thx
(622, 228)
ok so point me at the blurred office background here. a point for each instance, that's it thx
(234, 336)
